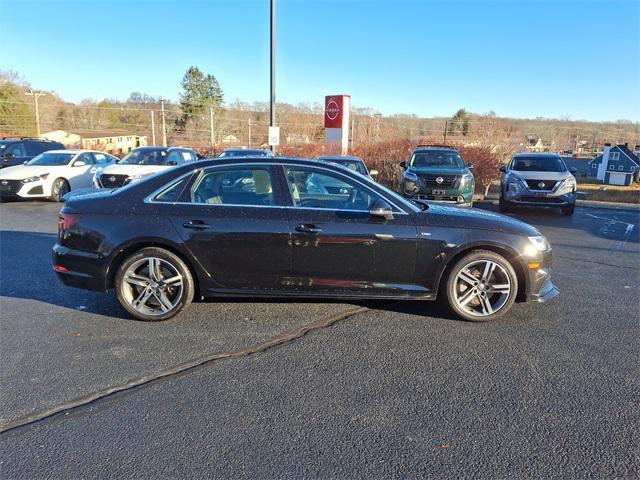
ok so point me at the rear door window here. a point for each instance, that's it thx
(251, 186)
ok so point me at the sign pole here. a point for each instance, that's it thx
(272, 45)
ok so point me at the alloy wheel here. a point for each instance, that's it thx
(482, 288)
(152, 286)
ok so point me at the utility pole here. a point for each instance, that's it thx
(446, 127)
(249, 138)
(211, 136)
(164, 123)
(35, 96)
(353, 131)
(377, 127)
(153, 129)
(272, 46)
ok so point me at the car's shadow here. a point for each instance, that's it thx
(27, 273)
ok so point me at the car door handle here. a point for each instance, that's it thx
(308, 229)
(196, 225)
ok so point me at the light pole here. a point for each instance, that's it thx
(272, 45)
(35, 96)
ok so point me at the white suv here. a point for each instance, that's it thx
(538, 180)
(140, 163)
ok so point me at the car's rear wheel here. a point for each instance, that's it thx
(481, 286)
(153, 284)
(59, 189)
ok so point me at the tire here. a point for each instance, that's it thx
(568, 211)
(156, 301)
(59, 189)
(486, 303)
(505, 207)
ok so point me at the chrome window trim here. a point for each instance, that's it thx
(149, 198)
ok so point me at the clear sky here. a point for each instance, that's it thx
(518, 58)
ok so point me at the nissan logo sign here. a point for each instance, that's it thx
(332, 110)
(540, 184)
(112, 178)
(439, 180)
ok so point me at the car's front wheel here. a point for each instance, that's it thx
(59, 189)
(153, 284)
(568, 211)
(481, 286)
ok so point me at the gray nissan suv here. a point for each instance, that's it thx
(538, 180)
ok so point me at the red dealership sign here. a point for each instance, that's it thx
(336, 111)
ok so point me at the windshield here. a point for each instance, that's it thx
(245, 153)
(538, 164)
(145, 157)
(51, 159)
(354, 165)
(437, 158)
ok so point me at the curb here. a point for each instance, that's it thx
(584, 204)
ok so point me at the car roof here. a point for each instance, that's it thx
(68, 151)
(541, 155)
(339, 157)
(311, 162)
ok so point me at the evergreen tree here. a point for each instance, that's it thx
(15, 115)
(199, 93)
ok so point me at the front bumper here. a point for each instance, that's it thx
(538, 284)
(14, 189)
(452, 196)
(528, 198)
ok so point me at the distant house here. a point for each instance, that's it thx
(537, 145)
(616, 166)
(227, 139)
(116, 142)
(581, 164)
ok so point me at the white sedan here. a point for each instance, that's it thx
(53, 174)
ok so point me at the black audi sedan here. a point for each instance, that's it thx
(278, 227)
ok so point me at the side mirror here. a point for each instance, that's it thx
(503, 168)
(373, 173)
(79, 163)
(10, 156)
(381, 209)
(403, 164)
(172, 163)
(573, 170)
(470, 165)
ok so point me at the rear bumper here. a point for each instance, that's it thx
(79, 269)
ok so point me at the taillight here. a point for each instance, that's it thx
(67, 220)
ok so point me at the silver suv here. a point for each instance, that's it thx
(538, 180)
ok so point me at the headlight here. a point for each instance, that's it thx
(412, 177)
(36, 178)
(537, 244)
(466, 179)
(514, 185)
(568, 184)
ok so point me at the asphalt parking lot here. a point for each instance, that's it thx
(393, 389)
